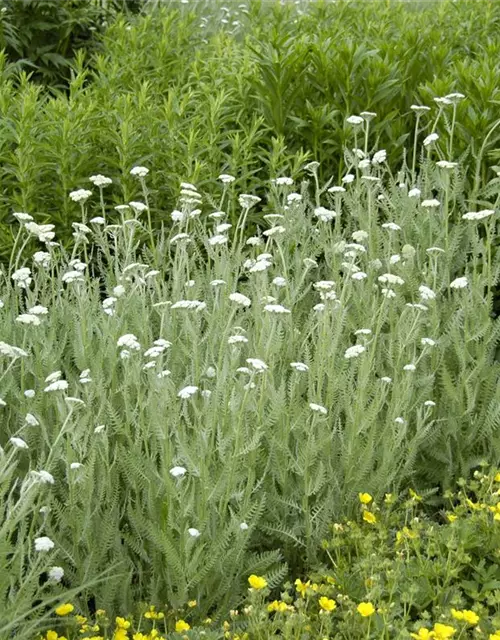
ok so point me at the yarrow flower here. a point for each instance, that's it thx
(299, 366)
(100, 180)
(178, 472)
(459, 283)
(318, 408)
(276, 308)
(240, 299)
(478, 215)
(44, 544)
(80, 195)
(354, 351)
(187, 392)
(140, 172)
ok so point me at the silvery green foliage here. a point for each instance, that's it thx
(178, 388)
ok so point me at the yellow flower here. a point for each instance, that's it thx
(139, 636)
(95, 638)
(369, 517)
(64, 609)
(496, 635)
(207, 621)
(181, 626)
(471, 617)
(257, 582)
(52, 635)
(81, 619)
(120, 634)
(330, 580)
(451, 517)
(365, 498)
(423, 634)
(366, 609)
(277, 606)
(192, 603)
(327, 604)
(389, 498)
(443, 631)
(121, 623)
(496, 517)
(497, 479)
(414, 496)
(302, 586)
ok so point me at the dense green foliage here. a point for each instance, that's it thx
(251, 91)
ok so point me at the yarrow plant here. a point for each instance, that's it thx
(201, 411)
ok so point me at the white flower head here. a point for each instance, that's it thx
(139, 172)
(409, 367)
(459, 283)
(390, 278)
(56, 574)
(258, 365)
(299, 366)
(445, 164)
(178, 472)
(243, 526)
(44, 477)
(58, 385)
(194, 533)
(392, 226)
(80, 195)
(318, 408)
(354, 351)
(225, 178)
(414, 193)
(247, 201)
(348, 178)
(355, 120)
(379, 157)
(325, 215)
(418, 108)
(336, 189)
(240, 299)
(138, 207)
(100, 180)
(276, 308)
(432, 137)
(31, 420)
(430, 204)
(187, 392)
(426, 293)
(478, 215)
(19, 443)
(428, 342)
(43, 544)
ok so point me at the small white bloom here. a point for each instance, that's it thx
(459, 283)
(195, 305)
(100, 428)
(276, 308)
(72, 276)
(354, 351)
(429, 204)
(100, 180)
(243, 526)
(44, 477)
(240, 299)
(360, 236)
(419, 108)
(225, 178)
(284, 181)
(348, 178)
(386, 379)
(279, 281)
(426, 293)
(359, 275)
(394, 259)
(58, 385)
(414, 193)
(429, 403)
(318, 408)
(432, 137)
(10, 351)
(130, 341)
(140, 172)
(324, 285)
(390, 278)
(293, 197)
(363, 332)
(478, 215)
(56, 574)
(319, 307)
(75, 465)
(254, 241)
(29, 393)
(43, 544)
(355, 120)
(217, 283)
(299, 366)
(428, 342)
(399, 420)
(218, 240)
(445, 164)
(388, 293)
(258, 365)
(417, 305)
(247, 201)
(23, 217)
(187, 392)
(392, 226)
(325, 215)
(19, 443)
(80, 195)
(178, 472)
(138, 207)
(273, 231)
(379, 157)
(28, 318)
(237, 339)
(409, 367)
(194, 533)
(22, 277)
(31, 420)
